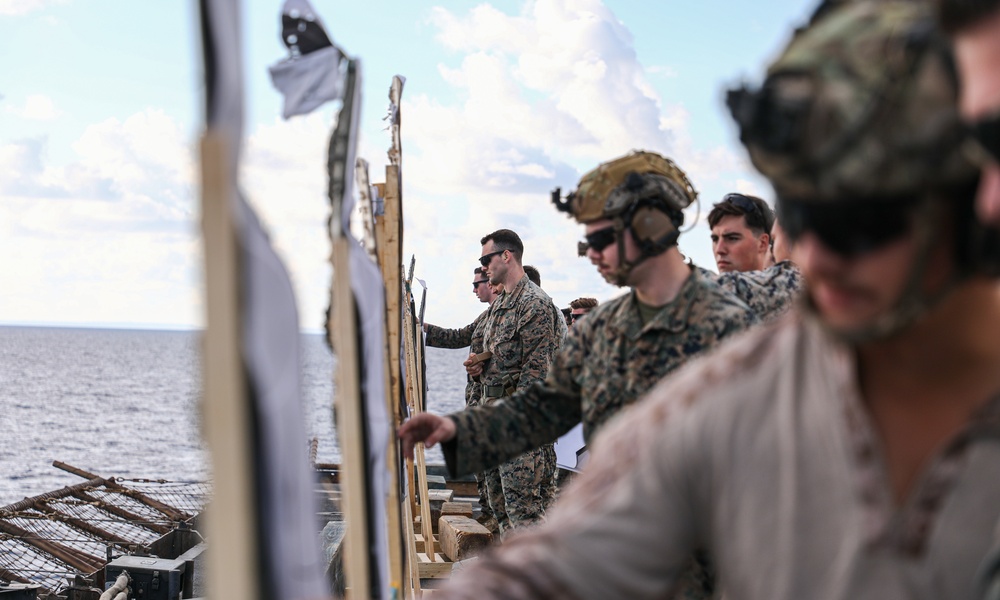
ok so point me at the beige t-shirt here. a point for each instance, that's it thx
(763, 454)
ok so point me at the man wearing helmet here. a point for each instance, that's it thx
(850, 451)
(631, 208)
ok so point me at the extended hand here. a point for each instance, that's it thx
(427, 428)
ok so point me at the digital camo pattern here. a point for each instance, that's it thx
(523, 330)
(608, 360)
(526, 488)
(769, 292)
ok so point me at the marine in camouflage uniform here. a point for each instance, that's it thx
(768, 292)
(523, 330)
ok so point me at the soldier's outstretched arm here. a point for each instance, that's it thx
(427, 428)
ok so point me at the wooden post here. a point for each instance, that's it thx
(350, 425)
(233, 563)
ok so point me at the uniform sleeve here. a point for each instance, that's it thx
(624, 528)
(439, 337)
(488, 436)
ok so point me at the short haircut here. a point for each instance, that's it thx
(533, 275)
(505, 239)
(587, 303)
(759, 221)
(956, 15)
(478, 271)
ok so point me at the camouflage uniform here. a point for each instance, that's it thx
(469, 336)
(523, 332)
(768, 292)
(608, 360)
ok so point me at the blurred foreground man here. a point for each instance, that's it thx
(975, 29)
(851, 451)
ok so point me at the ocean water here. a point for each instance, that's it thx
(126, 403)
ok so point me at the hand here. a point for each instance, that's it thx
(427, 428)
(473, 367)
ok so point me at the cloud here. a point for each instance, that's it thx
(36, 108)
(541, 96)
(106, 238)
(23, 7)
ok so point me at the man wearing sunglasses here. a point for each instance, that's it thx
(522, 331)
(851, 451)
(580, 307)
(742, 241)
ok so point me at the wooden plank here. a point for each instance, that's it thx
(457, 508)
(433, 566)
(440, 495)
(463, 538)
(413, 588)
(231, 574)
(349, 422)
(420, 543)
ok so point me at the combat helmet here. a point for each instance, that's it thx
(643, 193)
(858, 118)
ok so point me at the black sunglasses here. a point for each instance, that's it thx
(475, 284)
(576, 317)
(486, 258)
(746, 204)
(600, 239)
(849, 229)
(986, 132)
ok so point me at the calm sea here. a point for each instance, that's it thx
(125, 403)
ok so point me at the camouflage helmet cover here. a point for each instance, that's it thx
(607, 191)
(862, 103)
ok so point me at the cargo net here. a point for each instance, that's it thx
(48, 539)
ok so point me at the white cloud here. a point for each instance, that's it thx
(36, 108)
(23, 7)
(543, 95)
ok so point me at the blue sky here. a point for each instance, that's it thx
(100, 110)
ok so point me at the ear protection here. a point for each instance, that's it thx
(653, 229)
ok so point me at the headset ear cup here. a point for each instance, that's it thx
(651, 227)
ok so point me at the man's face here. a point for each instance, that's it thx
(781, 249)
(735, 246)
(481, 287)
(851, 292)
(977, 53)
(495, 268)
(576, 314)
(606, 259)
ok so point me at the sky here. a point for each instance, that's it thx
(101, 112)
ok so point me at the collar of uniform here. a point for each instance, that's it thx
(672, 317)
(509, 298)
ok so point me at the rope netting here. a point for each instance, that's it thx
(48, 539)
